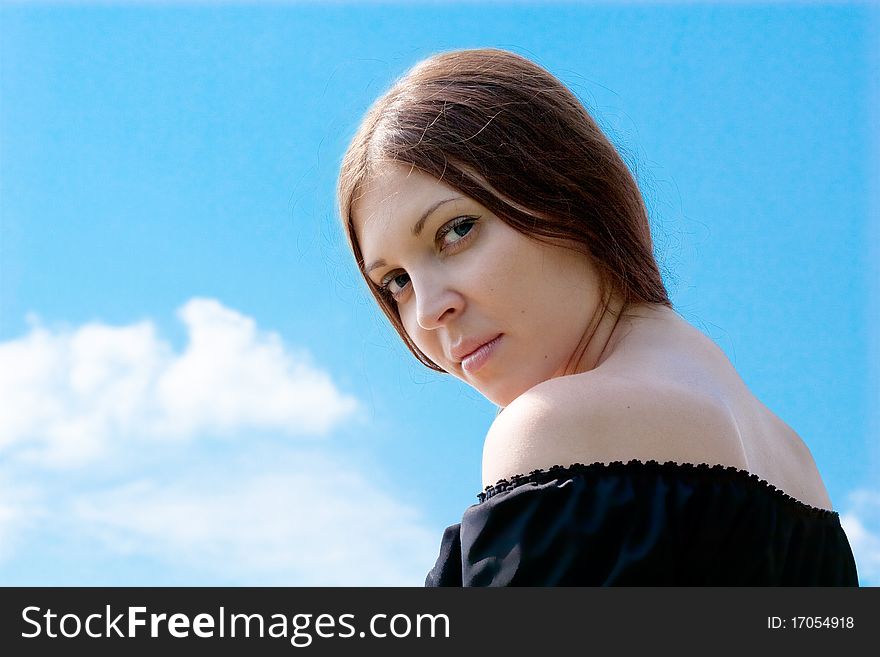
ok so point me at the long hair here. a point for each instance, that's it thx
(507, 133)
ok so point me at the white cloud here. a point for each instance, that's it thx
(312, 523)
(863, 514)
(68, 394)
(20, 510)
(258, 511)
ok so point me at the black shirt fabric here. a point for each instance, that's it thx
(643, 524)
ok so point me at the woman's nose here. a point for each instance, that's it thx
(436, 303)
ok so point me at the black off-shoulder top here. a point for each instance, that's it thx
(643, 524)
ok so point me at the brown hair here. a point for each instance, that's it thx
(507, 133)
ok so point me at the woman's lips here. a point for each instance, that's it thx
(474, 361)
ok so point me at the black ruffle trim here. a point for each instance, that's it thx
(699, 471)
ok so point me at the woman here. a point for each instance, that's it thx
(509, 245)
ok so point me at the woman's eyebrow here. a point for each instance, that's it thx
(416, 229)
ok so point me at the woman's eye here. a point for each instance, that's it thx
(388, 287)
(393, 285)
(461, 227)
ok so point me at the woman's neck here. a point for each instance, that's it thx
(619, 330)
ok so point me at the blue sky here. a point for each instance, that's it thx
(196, 387)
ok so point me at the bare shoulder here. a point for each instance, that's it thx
(587, 418)
(801, 479)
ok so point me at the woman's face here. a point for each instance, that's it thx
(467, 277)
